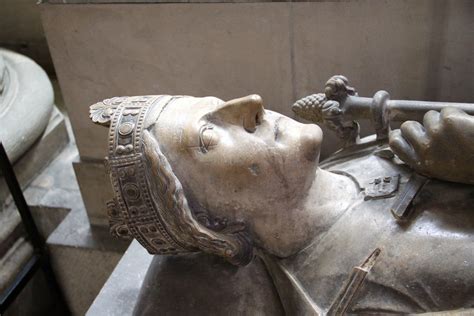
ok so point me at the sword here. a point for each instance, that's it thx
(340, 108)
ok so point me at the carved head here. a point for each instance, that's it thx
(230, 161)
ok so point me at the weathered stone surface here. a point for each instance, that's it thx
(82, 255)
(137, 282)
(21, 31)
(36, 299)
(13, 261)
(40, 154)
(411, 48)
(26, 95)
(81, 272)
(15, 250)
(154, 1)
(291, 52)
(93, 191)
(119, 294)
(232, 51)
(33, 131)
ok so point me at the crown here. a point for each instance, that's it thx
(131, 212)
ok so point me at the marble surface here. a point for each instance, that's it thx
(120, 293)
(82, 255)
(40, 154)
(26, 102)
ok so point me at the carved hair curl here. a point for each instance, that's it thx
(232, 242)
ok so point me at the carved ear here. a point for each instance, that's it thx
(101, 112)
(167, 194)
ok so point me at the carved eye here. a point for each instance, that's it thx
(207, 138)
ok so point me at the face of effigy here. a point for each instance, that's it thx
(239, 161)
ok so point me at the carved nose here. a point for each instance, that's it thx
(247, 112)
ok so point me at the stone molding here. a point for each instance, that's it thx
(26, 102)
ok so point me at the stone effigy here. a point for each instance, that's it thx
(385, 225)
(32, 132)
(26, 95)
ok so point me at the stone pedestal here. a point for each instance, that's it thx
(32, 129)
(33, 132)
(196, 284)
(15, 251)
(36, 138)
(26, 102)
(40, 154)
(120, 293)
(82, 256)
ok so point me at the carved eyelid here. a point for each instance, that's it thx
(203, 145)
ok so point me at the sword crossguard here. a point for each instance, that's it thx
(380, 114)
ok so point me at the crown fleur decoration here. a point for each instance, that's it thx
(101, 112)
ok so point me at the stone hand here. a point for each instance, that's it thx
(442, 147)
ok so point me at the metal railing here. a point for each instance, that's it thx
(40, 258)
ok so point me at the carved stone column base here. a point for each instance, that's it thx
(41, 153)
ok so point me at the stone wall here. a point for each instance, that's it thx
(22, 32)
(415, 49)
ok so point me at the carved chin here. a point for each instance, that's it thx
(311, 138)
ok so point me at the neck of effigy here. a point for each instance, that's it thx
(328, 198)
(325, 201)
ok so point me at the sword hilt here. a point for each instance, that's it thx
(340, 108)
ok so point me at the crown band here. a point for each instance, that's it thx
(132, 213)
